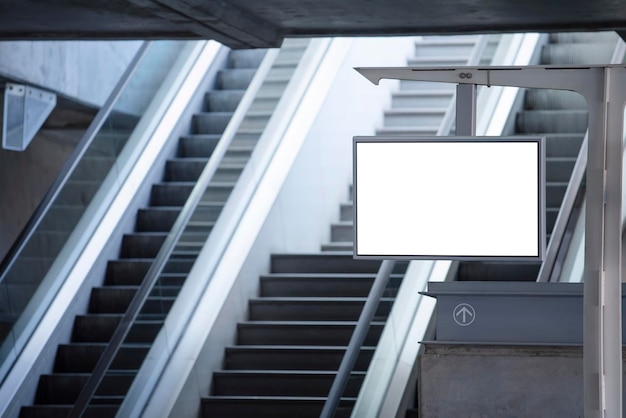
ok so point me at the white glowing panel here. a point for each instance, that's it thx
(449, 198)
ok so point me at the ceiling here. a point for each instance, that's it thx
(264, 23)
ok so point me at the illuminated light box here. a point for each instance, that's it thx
(454, 198)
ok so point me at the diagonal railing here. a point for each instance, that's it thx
(169, 245)
(382, 278)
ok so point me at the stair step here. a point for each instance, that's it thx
(583, 53)
(313, 309)
(197, 146)
(438, 61)
(410, 118)
(82, 358)
(553, 100)
(414, 130)
(421, 99)
(142, 245)
(280, 383)
(563, 144)
(559, 170)
(269, 407)
(210, 122)
(342, 232)
(497, 271)
(235, 78)
(246, 58)
(176, 194)
(321, 263)
(310, 333)
(162, 218)
(339, 246)
(184, 169)
(115, 299)
(62, 411)
(551, 121)
(131, 272)
(100, 328)
(223, 100)
(291, 358)
(346, 212)
(63, 389)
(322, 285)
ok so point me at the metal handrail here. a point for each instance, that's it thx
(68, 168)
(168, 246)
(554, 255)
(382, 277)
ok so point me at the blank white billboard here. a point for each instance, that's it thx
(449, 198)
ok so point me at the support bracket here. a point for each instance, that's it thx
(24, 111)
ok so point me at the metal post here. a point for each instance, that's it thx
(466, 110)
(604, 88)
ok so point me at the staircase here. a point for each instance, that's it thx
(75, 360)
(287, 353)
(560, 116)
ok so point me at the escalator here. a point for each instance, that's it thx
(560, 116)
(288, 350)
(75, 359)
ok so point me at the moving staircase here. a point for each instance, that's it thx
(560, 116)
(57, 391)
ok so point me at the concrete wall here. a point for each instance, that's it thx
(83, 70)
(500, 381)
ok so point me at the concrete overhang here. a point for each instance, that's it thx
(264, 23)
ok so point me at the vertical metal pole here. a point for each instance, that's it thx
(466, 110)
(602, 293)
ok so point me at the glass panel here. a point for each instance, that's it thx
(37, 272)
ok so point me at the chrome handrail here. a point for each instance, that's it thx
(168, 246)
(554, 254)
(382, 277)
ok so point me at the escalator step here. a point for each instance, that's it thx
(223, 100)
(100, 328)
(60, 389)
(552, 121)
(82, 358)
(197, 146)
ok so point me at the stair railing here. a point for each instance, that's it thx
(556, 252)
(43, 208)
(382, 277)
(167, 248)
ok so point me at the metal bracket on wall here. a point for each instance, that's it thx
(24, 110)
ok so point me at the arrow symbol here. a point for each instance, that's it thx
(464, 314)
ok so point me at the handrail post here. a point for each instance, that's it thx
(358, 336)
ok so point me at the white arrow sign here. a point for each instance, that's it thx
(464, 314)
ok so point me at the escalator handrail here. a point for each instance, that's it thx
(70, 165)
(554, 253)
(171, 240)
(382, 277)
